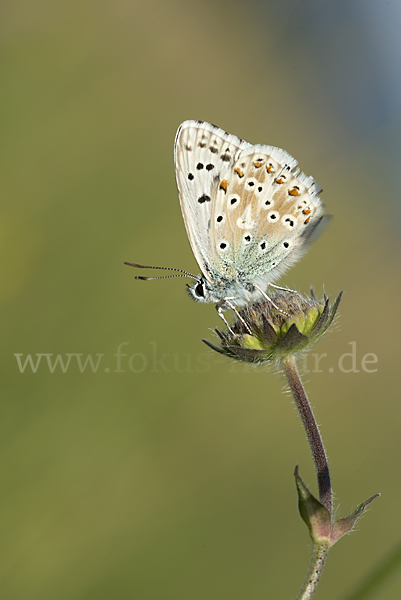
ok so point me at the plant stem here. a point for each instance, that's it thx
(322, 471)
(315, 570)
(312, 432)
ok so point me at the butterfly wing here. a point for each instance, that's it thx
(202, 153)
(264, 214)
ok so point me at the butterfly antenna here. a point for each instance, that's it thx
(180, 272)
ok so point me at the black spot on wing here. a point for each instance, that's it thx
(204, 198)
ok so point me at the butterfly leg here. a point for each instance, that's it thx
(277, 287)
(219, 308)
(222, 317)
(270, 300)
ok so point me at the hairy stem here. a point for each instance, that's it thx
(315, 570)
(312, 432)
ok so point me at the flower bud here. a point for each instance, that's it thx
(318, 518)
(267, 332)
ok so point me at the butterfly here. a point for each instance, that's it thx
(248, 211)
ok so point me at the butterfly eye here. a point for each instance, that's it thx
(199, 291)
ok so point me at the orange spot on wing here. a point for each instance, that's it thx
(269, 168)
(239, 172)
(306, 211)
(257, 164)
(307, 221)
(280, 180)
(223, 185)
(294, 191)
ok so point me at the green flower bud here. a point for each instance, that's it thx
(318, 519)
(267, 332)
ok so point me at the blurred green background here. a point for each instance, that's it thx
(170, 475)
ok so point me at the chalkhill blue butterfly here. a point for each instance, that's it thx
(248, 211)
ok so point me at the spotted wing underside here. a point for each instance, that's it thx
(202, 153)
(264, 213)
(248, 211)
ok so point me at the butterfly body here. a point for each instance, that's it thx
(248, 212)
(240, 291)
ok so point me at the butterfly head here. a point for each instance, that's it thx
(220, 289)
(199, 291)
